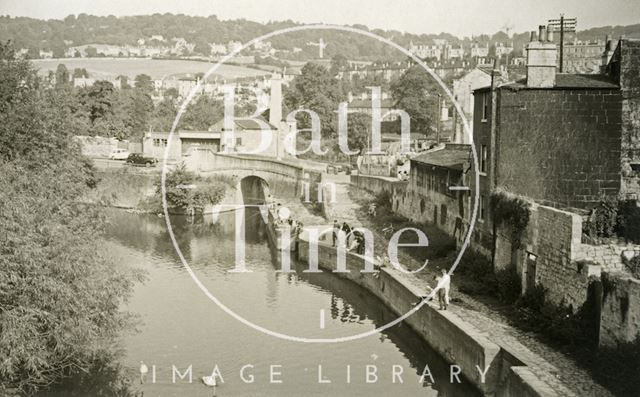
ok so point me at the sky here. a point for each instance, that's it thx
(459, 17)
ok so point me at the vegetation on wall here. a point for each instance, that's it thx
(614, 218)
(634, 266)
(509, 209)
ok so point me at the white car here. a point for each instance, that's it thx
(119, 154)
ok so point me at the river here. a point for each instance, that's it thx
(181, 327)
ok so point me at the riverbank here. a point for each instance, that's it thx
(525, 362)
(495, 319)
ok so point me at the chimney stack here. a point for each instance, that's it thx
(275, 101)
(541, 61)
(607, 54)
(549, 34)
(542, 35)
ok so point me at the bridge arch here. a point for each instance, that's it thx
(254, 189)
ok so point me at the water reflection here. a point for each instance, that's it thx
(182, 327)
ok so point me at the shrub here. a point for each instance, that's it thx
(603, 220)
(618, 368)
(509, 209)
(185, 190)
(509, 285)
(629, 220)
(634, 266)
(478, 277)
(383, 200)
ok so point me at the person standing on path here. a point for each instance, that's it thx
(444, 285)
(336, 230)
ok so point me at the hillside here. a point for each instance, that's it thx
(58, 35)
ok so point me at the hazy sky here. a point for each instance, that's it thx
(460, 17)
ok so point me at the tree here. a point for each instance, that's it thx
(91, 52)
(416, 93)
(317, 90)
(143, 83)
(62, 76)
(186, 191)
(164, 114)
(339, 63)
(99, 99)
(60, 298)
(359, 131)
(201, 113)
(80, 72)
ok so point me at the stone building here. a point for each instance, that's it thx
(564, 140)
(583, 57)
(463, 89)
(248, 134)
(436, 189)
(560, 142)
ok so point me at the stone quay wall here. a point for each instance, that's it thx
(457, 341)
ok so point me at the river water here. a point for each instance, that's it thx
(181, 327)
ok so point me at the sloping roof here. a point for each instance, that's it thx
(566, 81)
(451, 156)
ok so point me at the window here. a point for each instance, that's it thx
(485, 106)
(483, 203)
(483, 159)
(159, 142)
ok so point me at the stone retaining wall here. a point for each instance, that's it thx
(620, 317)
(457, 341)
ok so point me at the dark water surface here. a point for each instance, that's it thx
(181, 327)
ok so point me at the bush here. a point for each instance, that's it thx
(603, 221)
(186, 190)
(478, 277)
(509, 209)
(383, 200)
(629, 220)
(509, 284)
(618, 368)
(634, 266)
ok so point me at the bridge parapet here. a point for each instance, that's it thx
(283, 177)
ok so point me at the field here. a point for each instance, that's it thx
(131, 67)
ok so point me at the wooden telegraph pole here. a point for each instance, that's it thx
(562, 25)
(439, 107)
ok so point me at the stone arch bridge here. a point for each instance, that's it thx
(256, 176)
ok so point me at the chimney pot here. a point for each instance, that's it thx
(542, 35)
(534, 37)
(549, 35)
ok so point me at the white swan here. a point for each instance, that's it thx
(209, 380)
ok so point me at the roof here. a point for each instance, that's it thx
(566, 81)
(452, 156)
